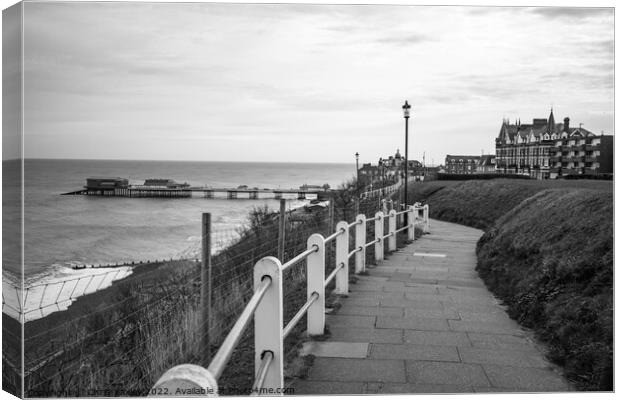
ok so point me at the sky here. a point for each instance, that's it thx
(304, 83)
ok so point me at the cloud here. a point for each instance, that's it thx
(571, 12)
(406, 39)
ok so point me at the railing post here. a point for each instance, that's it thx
(342, 257)
(411, 222)
(392, 230)
(268, 322)
(427, 222)
(315, 270)
(360, 241)
(379, 235)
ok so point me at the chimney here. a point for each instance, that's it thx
(566, 121)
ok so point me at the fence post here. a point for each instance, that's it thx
(342, 257)
(268, 322)
(411, 222)
(315, 270)
(427, 222)
(205, 290)
(379, 235)
(392, 231)
(331, 214)
(282, 230)
(360, 241)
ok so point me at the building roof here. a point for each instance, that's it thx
(462, 157)
(538, 127)
(486, 160)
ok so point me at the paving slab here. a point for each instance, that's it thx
(425, 324)
(335, 349)
(515, 358)
(367, 335)
(426, 313)
(303, 386)
(371, 311)
(446, 373)
(498, 341)
(435, 338)
(355, 370)
(395, 388)
(414, 352)
(350, 320)
(525, 379)
(482, 327)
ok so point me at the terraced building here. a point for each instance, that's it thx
(545, 149)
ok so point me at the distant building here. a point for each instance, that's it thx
(461, 164)
(486, 164)
(388, 169)
(165, 183)
(582, 155)
(546, 149)
(101, 183)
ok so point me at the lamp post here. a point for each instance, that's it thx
(357, 168)
(406, 108)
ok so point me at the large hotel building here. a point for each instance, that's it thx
(546, 150)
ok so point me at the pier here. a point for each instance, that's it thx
(167, 188)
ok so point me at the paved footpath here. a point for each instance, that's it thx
(424, 322)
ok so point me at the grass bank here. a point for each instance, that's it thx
(548, 254)
(480, 203)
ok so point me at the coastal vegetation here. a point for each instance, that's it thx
(547, 252)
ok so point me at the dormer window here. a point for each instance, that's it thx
(546, 136)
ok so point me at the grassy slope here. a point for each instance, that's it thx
(480, 203)
(548, 253)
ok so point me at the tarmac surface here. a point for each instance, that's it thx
(424, 322)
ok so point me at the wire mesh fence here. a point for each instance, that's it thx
(119, 341)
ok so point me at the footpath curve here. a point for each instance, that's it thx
(424, 322)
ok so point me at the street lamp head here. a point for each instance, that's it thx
(406, 108)
(357, 155)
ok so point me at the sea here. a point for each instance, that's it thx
(61, 232)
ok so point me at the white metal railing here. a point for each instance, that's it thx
(266, 305)
(382, 191)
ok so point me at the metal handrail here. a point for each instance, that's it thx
(334, 235)
(377, 240)
(375, 218)
(352, 224)
(402, 212)
(387, 236)
(300, 257)
(403, 228)
(221, 358)
(289, 327)
(355, 251)
(262, 372)
(333, 274)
